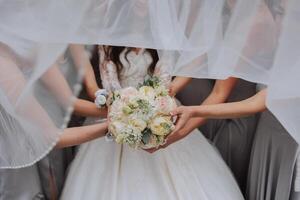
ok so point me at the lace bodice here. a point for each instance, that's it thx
(135, 69)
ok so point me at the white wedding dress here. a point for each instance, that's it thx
(190, 169)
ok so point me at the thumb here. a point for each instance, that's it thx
(176, 111)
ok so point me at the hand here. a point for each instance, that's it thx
(184, 113)
(170, 139)
(172, 92)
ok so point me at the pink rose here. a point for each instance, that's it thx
(165, 104)
(128, 92)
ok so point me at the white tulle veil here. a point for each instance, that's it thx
(257, 40)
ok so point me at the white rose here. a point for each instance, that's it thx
(116, 106)
(165, 105)
(161, 91)
(147, 92)
(128, 93)
(138, 123)
(116, 127)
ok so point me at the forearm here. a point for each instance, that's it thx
(82, 61)
(219, 94)
(225, 110)
(178, 84)
(243, 108)
(78, 135)
(88, 109)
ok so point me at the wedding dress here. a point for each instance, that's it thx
(187, 170)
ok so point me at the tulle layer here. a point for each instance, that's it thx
(257, 40)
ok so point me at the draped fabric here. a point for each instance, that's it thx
(273, 172)
(256, 40)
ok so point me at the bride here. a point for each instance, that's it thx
(190, 169)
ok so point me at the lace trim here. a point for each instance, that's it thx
(77, 88)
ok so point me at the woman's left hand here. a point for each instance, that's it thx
(183, 113)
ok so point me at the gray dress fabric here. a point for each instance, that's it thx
(232, 137)
(43, 180)
(273, 172)
(20, 184)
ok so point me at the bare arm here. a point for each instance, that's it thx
(219, 94)
(88, 109)
(79, 135)
(246, 107)
(57, 84)
(82, 61)
(238, 109)
(187, 123)
(178, 84)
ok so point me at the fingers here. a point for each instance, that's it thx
(175, 135)
(177, 111)
(151, 150)
(171, 138)
(181, 121)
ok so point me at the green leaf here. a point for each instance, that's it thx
(146, 136)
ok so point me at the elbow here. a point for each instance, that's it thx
(59, 145)
(256, 107)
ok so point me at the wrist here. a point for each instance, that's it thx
(200, 111)
(91, 91)
(194, 111)
(173, 90)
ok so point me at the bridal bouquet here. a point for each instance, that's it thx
(140, 117)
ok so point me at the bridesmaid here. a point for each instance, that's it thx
(44, 180)
(274, 165)
(27, 183)
(232, 137)
(273, 172)
(48, 175)
(52, 169)
(275, 156)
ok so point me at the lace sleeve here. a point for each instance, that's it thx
(163, 68)
(108, 72)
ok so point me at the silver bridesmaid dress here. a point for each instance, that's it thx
(274, 166)
(232, 137)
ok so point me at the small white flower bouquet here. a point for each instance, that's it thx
(140, 117)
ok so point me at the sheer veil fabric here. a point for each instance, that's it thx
(257, 40)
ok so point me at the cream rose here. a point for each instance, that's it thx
(138, 123)
(161, 125)
(116, 127)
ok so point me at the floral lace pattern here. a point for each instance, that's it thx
(135, 68)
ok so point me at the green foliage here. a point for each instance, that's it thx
(151, 81)
(146, 136)
(166, 126)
